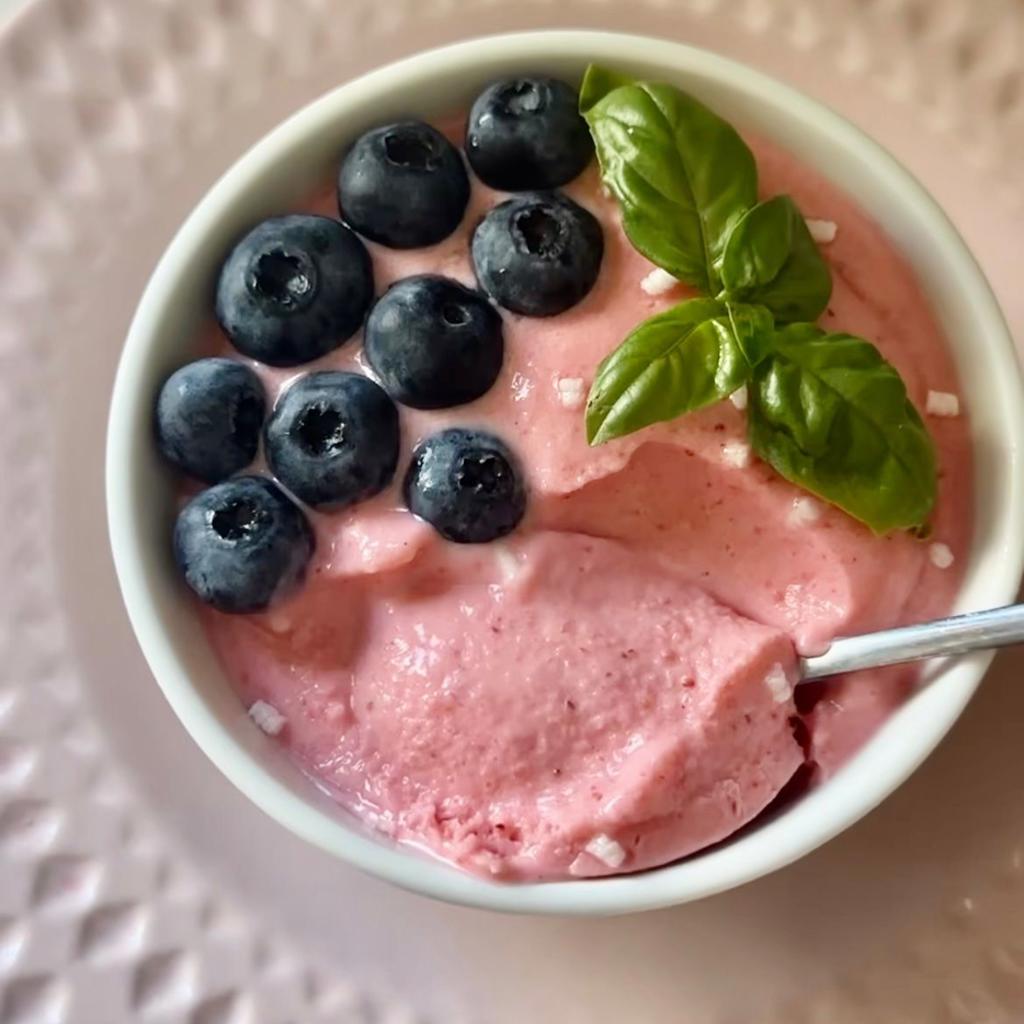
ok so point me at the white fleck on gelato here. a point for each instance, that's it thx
(778, 684)
(267, 717)
(822, 231)
(571, 392)
(736, 454)
(606, 850)
(941, 555)
(507, 562)
(942, 404)
(803, 511)
(658, 282)
(739, 397)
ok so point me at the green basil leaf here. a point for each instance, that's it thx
(679, 360)
(829, 414)
(753, 327)
(770, 258)
(683, 176)
(597, 83)
(759, 245)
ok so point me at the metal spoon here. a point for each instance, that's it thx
(960, 634)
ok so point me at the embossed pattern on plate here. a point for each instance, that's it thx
(135, 885)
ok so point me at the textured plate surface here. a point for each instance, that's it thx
(135, 884)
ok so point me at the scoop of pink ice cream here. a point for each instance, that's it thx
(557, 707)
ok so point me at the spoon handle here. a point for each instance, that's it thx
(997, 627)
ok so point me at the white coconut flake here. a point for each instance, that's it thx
(803, 512)
(522, 387)
(942, 403)
(736, 454)
(571, 392)
(606, 850)
(778, 684)
(279, 622)
(507, 562)
(658, 282)
(578, 868)
(739, 397)
(941, 556)
(267, 717)
(822, 231)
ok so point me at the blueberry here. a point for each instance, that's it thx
(208, 418)
(294, 288)
(467, 485)
(433, 342)
(242, 544)
(537, 254)
(403, 185)
(332, 439)
(527, 133)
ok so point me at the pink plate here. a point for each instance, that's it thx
(135, 883)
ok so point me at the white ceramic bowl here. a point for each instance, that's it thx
(302, 153)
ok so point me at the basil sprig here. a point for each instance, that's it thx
(826, 411)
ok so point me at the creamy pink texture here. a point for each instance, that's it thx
(612, 670)
(503, 711)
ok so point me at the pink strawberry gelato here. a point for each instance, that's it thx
(610, 688)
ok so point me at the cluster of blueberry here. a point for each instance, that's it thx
(296, 287)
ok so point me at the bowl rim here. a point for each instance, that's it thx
(851, 795)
